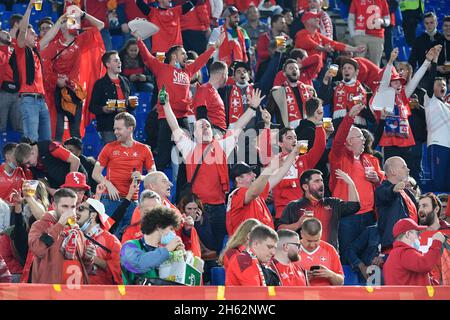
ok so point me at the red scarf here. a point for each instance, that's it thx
(412, 210)
(292, 105)
(343, 100)
(230, 50)
(236, 105)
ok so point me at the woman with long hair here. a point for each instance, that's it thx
(238, 241)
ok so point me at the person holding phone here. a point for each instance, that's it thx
(319, 257)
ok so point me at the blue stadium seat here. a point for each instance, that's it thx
(19, 8)
(2, 8)
(117, 42)
(217, 276)
(351, 277)
(5, 15)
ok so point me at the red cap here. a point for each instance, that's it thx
(309, 15)
(76, 180)
(404, 225)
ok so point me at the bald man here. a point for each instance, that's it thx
(393, 200)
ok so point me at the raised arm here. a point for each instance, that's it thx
(23, 25)
(145, 9)
(258, 186)
(352, 192)
(278, 175)
(386, 79)
(170, 116)
(412, 85)
(51, 34)
(255, 101)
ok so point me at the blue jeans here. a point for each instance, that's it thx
(35, 118)
(350, 228)
(440, 172)
(216, 217)
(111, 206)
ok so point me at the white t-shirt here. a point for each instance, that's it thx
(437, 114)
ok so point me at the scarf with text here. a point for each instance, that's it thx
(237, 102)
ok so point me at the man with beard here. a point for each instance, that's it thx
(313, 204)
(342, 95)
(318, 257)
(393, 200)
(429, 210)
(237, 43)
(285, 258)
(125, 160)
(288, 101)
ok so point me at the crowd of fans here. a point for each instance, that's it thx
(267, 186)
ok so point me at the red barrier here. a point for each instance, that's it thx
(91, 292)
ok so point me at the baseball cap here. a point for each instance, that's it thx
(229, 11)
(309, 15)
(76, 180)
(404, 225)
(241, 168)
(105, 220)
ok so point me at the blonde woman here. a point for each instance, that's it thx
(238, 241)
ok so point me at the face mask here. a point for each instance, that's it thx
(165, 239)
(86, 224)
(416, 244)
(177, 65)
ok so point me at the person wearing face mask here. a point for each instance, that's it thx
(95, 223)
(141, 258)
(406, 265)
(285, 258)
(11, 175)
(342, 94)
(64, 47)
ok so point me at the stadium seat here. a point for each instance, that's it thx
(19, 8)
(351, 277)
(117, 42)
(2, 7)
(217, 276)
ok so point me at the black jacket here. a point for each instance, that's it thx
(422, 44)
(390, 208)
(103, 90)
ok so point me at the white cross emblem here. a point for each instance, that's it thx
(135, 154)
(235, 103)
(361, 18)
(75, 177)
(289, 100)
(340, 92)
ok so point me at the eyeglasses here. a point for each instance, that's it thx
(82, 208)
(295, 244)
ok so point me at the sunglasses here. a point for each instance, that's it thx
(295, 244)
(82, 208)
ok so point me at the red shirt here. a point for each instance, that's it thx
(238, 211)
(207, 95)
(120, 162)
(120, 95)
(309, 42)
(326, 255)
(98, 9)
(290, 274)
(243, 270)
(38, 85)
(9, 183)
(311, 67)
(68, 62)
(176, 81)
(57, 150)
(288, 189)
(7, 73)
(197, 19)
(169, 23)
(230, 254)
(131, 10)
(369, 73)
(366, 11)
(406, 266)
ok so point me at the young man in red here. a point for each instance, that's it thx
(318, 257)
(248, 268)
(284, 262)
(429, 210)
(210, 155)
(175, 76)
(314, 42)
(248, 199)
(207, 103)
(342, 94)
(124, 160)
(366, 21)
(169, 22)
(11, 176)
(406, 265)
(93, 222)
(28, 65)
(64, 54)
(347, 154)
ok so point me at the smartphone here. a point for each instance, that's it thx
(313, 268)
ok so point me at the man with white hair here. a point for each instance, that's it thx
(347, 155)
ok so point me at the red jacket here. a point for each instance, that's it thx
(197, 19)
(408, 266)
(10, 254)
